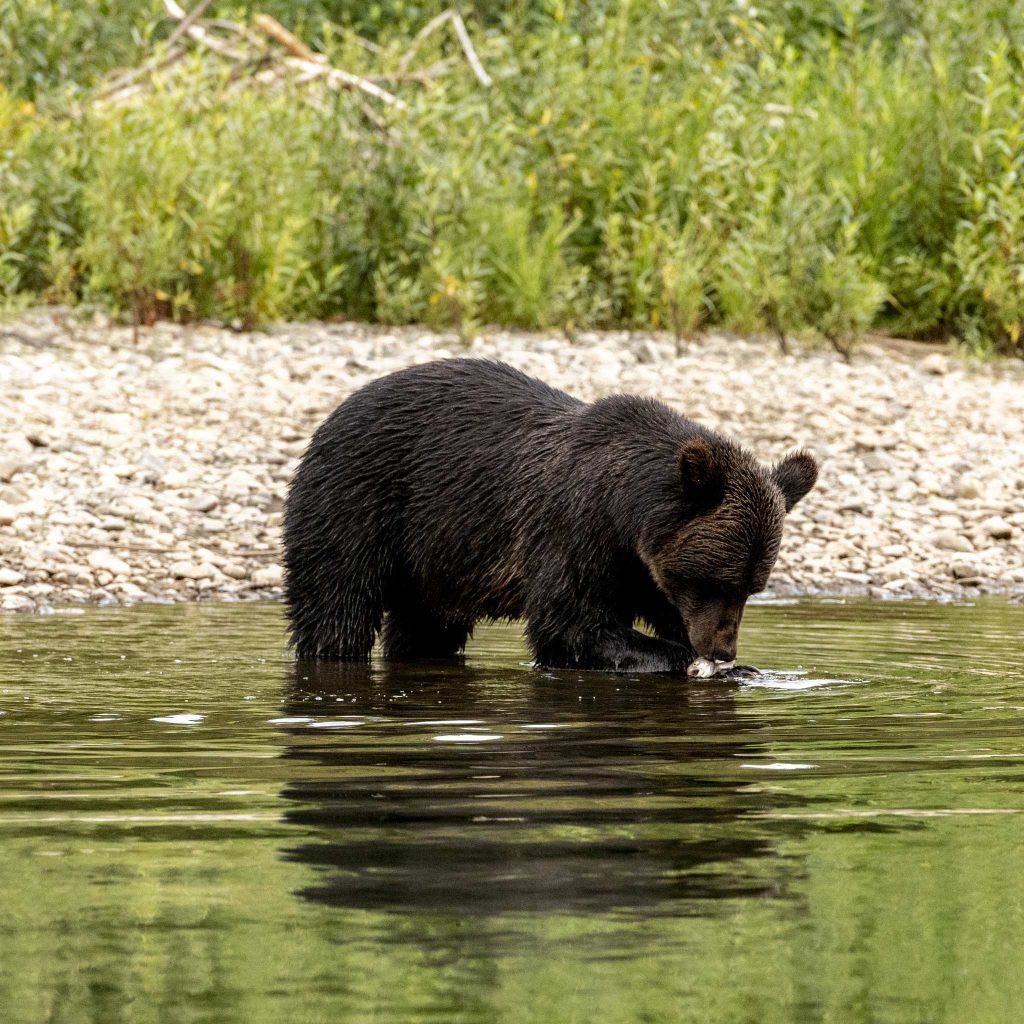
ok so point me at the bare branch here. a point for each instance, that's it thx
(314, 65)
(188, 21)
(431, 26)
(200, 35)
(291, 42)
(339, 79)
(300, 64)
(467, 48)
(367, 44)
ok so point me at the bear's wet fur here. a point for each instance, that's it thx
(463, 489)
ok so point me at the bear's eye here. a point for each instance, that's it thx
(712, 589)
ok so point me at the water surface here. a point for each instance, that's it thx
(192, 828)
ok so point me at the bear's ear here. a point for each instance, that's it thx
(701, 473)
(795, 476)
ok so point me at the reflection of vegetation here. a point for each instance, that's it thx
(785, 165)
(885, 918)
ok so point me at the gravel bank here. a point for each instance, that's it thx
(155, 470)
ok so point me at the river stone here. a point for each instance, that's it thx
(226, 417)
(8, 513)
(963, 569)
(997, 528)
(10, 577)
(192, 570)
(647, 352)
(271, 576)
(967, 488)
(104, 561)
(950, 540)
(8, 467)
(17, 603)
(876, 461)
(202, 503)
(936, 364)
(898, 570)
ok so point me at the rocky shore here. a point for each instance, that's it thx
(154, 468)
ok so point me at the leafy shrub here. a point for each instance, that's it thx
(808, 165)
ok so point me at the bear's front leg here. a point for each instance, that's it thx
(606, 648)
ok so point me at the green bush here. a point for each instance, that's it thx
(811, 165)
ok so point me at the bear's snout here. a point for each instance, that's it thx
(713, 628)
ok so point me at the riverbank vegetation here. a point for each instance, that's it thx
(798, 165)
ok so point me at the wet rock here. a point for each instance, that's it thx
(16, 603)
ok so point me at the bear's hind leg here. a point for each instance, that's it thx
(413, 631)
(334, 624)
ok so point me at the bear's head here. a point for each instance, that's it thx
(720, 541)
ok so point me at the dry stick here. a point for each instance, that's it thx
(291, 42)
(435, 23)
(339, 79)
(188, 21)
(315, 65)
(159, 62)
(200, 35)
(467, 48)
(366, 44)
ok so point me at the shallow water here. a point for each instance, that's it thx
(192, 829)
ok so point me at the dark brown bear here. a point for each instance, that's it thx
(464, 490)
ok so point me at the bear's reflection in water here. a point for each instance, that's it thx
(474, 791)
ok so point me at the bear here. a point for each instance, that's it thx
(464, 489)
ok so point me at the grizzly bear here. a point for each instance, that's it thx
(463, 489)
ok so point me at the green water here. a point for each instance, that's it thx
(840, 843)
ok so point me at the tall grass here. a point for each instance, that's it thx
(806, 166)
